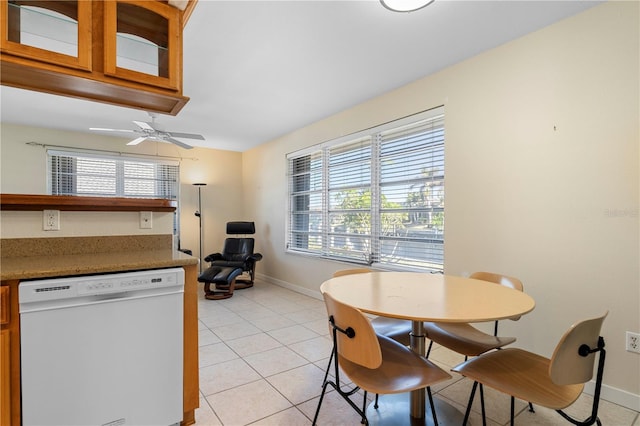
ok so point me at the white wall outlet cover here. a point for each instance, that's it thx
(632, 342)
(146, 220)
(51, 220)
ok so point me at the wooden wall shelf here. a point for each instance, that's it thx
(29, 202)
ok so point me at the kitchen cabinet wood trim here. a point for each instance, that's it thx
(4, 305)
(10, 360)
(186, 13)
(30, 202)
(191, 368)
(29, 68)
(134, 23)
(82, 15)
(18, 72)
(5, 378)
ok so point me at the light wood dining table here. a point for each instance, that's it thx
(421, 297)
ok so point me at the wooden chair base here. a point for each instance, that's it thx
(223, 280)
(240, 285)
(219, 293)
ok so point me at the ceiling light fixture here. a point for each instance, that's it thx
(405, 5)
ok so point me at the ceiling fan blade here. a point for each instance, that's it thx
(177, 142)
(99, 129)
(147, 131)
(136, 141)
(185, 135)
(144, 126)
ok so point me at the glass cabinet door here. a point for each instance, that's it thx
(57, 32)
(143, 42)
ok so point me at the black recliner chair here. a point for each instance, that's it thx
(237, 253)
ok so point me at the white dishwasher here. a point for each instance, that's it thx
(103, 349)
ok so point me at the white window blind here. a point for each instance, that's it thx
(375, 198)
(306, 199)
(88, 174)
(412, 195)
(349, 199)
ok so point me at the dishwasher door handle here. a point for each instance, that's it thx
(48, 305)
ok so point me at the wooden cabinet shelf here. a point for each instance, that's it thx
(28, 202)
(96, 63)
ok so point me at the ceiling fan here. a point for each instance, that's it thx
(150, 131)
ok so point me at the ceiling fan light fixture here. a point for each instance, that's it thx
(405, 5)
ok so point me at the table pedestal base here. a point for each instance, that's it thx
(394, 410)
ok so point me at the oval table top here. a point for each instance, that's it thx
(428, 297)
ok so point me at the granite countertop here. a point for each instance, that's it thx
(27, 258)
(28, 267)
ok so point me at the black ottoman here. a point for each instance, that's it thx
(216, 275)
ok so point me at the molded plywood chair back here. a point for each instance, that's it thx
(569, 364)
(361, 348)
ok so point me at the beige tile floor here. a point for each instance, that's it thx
(262, 358)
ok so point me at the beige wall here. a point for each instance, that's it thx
(23, 171)
(542, 178)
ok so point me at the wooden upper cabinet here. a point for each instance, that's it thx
(142, 42)
(56, 32)
(122, 52)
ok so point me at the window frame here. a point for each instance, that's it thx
(165, 187)
(324, 206)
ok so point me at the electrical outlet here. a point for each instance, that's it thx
(146, 220)
(633, 342)
(51, 220)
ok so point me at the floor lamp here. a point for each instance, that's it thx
(199, 215)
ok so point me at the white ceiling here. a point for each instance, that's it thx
(256, 70)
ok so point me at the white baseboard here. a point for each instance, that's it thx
(311, 293)
(615, 395)
(608, 393)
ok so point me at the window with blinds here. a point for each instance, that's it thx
(374, 198)
(97, 175)
(87, 174)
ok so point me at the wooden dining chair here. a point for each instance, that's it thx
(393, 328)
(372, 362)
(466, 339)
(554, 383)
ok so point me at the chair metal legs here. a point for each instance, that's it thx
(429, 349)
(468, 410)
(484, 414)
(470, 403)
(345, 395)
(326, 373)
(433, 407)
(336, 384)
(364, 420)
